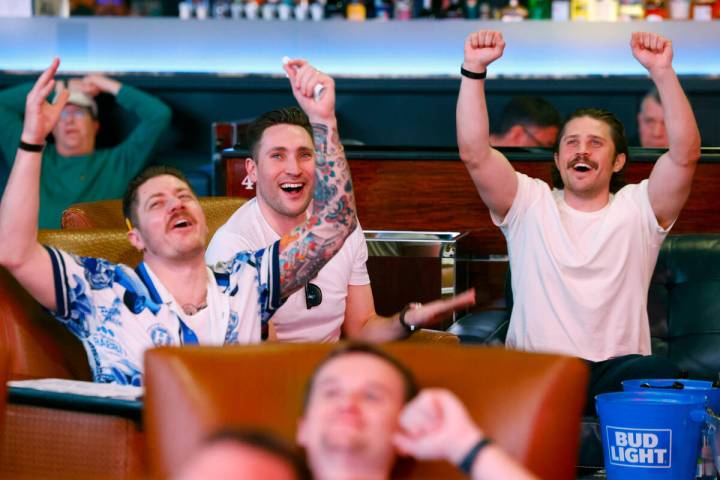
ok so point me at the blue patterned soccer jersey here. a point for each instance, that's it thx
(118, 312)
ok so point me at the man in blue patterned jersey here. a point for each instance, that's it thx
(172, 297)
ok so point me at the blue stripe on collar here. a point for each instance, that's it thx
(145, 277)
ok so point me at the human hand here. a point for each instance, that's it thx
(436, 426)
(482, 48)
(653, 51)
(430, 313)
(303, 79)
(93, 84)
(41, 116)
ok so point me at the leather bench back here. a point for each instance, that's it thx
(529, 403)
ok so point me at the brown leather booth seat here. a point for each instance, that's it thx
(529, 403)
(108, 213)
(40, 442)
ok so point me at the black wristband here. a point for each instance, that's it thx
(31, 147)
(473, 75)
(467, 462)
(410, 329)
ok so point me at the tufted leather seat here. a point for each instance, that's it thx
(529, 403)
(684, 303)
(41, 442)
(108, 213)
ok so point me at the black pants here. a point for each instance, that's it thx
(606, 376)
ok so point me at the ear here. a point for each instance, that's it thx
(301, 436)
(619, 162)
(96, 126)
(136, 240)
(251, 169)
(555, 158)
(515, 136)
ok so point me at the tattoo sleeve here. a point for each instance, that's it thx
(305, 250)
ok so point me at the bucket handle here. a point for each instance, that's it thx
(675, 386)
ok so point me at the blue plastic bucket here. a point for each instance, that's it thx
(703, 387)
(650, 435)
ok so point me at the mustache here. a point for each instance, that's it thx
(582, 159)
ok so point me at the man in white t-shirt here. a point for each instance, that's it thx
(339, 299)
(581, 256)
(171, 298)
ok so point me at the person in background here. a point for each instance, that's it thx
(526, 122)
(651, 121)
(73, 169)
(240, 454)
(362, 408)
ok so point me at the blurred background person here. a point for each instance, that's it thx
(73, 169)
(526, 122)
(651, 121)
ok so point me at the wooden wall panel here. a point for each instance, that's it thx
(439, 195)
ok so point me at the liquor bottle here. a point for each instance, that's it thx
(513, 12)
(356, 11)
(631, 10)
(582, 10)
(655, 10)
(453, 9)
(606, 10)
(335, 9)
(402, 10)
(560, 10)
(702, 10)
(679, 9)
(472, 9)
(539, 9)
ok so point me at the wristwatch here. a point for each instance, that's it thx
(408, 327)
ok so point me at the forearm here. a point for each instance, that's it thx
(19, 210)
(473, 126)
(493, 463)
(307, 248)
(682, 129)
(378, 329)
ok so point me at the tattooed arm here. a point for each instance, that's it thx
(306, 249)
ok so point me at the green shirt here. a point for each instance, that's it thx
(101, 175)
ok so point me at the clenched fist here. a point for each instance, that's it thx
(482, 48)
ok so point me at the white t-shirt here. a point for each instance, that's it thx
(580, 279)
(247, 229)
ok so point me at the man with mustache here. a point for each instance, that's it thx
(582, 255)
(172, 297)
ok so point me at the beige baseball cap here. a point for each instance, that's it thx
(83, 100)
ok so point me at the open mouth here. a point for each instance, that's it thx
(581, 167)
(180, 223)
(292, 188)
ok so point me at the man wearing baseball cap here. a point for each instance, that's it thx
(73, 170)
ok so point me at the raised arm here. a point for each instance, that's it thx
(306, 249)
(491, 172)
(671, 178)
(21, 253)
(153, 118)
(436, 426)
